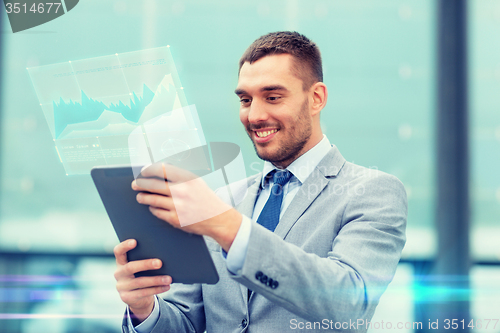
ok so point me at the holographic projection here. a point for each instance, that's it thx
(93, 105)
(130, 109)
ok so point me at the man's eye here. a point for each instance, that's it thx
(273, 98)
(245, 100)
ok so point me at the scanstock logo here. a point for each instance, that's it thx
(31, 13)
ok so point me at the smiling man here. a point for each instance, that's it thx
(313, 245)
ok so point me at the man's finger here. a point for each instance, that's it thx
(166, 215)
(121, 250)
(143, 282)
(134, 295)
(155, 170)
(155, 200)
(167, 171)
(151, 185)
(136, 266)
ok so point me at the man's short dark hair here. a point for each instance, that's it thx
(305, 52)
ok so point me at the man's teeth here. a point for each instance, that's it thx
(266, 133)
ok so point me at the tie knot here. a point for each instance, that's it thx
(281, 176)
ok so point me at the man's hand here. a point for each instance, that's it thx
(139, 292)
(185, 201)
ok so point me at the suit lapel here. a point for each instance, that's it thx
(329, 167)
(311, 188)
(248, 203)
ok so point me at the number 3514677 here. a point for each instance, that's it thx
(35, 8)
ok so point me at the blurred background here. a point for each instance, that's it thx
(407, 95)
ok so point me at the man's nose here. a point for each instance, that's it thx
(257, 112)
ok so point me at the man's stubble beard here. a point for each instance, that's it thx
(291, 147)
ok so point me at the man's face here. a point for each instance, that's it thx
(275, 109)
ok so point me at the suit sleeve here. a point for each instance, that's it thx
(180, 311)
(347, 284)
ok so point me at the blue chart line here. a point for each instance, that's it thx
(90, 110)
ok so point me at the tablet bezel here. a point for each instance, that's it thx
(185, 256)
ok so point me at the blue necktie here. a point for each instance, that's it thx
(270, 215)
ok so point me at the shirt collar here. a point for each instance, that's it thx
(303, 166)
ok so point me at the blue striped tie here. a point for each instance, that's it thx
(270, 215)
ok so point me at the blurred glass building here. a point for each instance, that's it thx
(383, 64)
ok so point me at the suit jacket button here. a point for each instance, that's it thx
(270, 282)
(263, 279)
(274, 285)
(259, 275)
(244, 323)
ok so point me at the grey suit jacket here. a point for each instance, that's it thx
(331, 257)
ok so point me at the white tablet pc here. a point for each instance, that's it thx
(185, 256)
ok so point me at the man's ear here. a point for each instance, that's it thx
(318, 96)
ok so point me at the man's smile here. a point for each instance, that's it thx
(265, 135)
